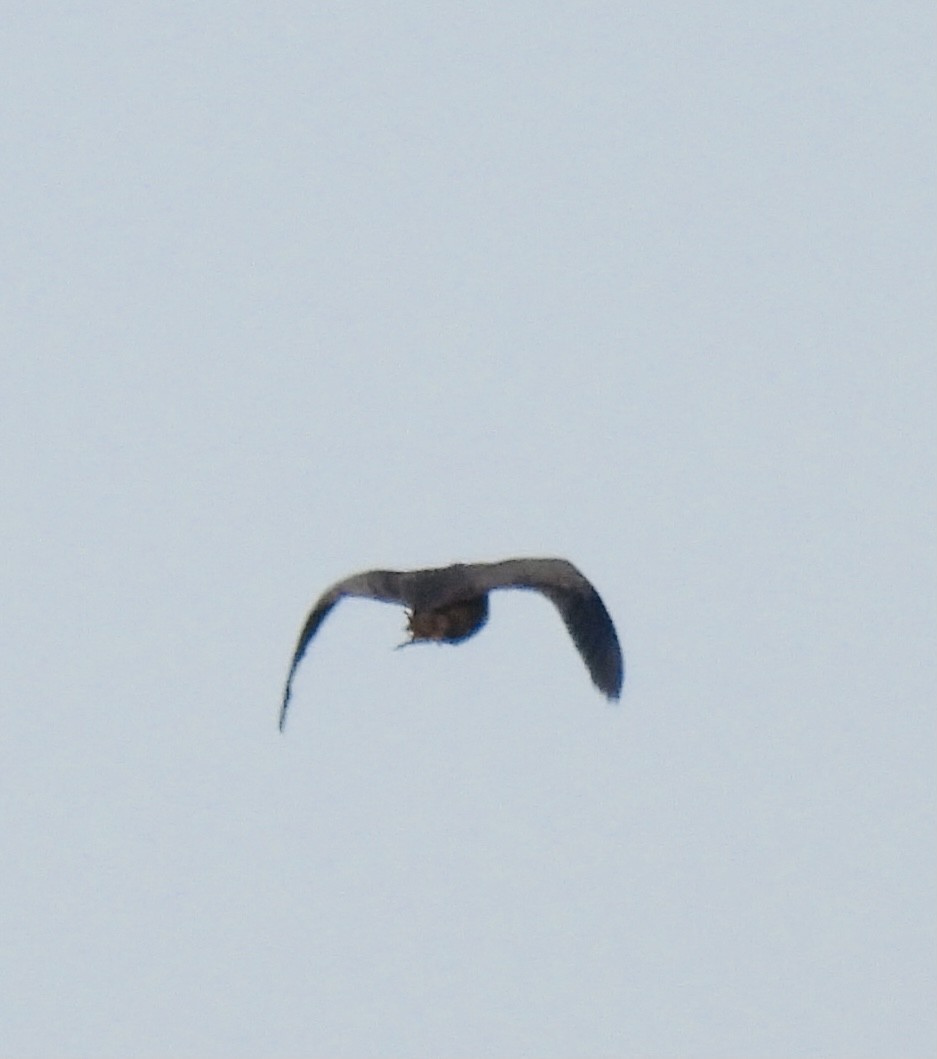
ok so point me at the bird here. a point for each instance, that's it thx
(449, 604)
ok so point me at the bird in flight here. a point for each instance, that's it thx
(449, 604)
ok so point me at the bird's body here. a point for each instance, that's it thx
(451, 623)
(449, 604)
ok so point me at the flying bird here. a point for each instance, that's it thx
(449, 604)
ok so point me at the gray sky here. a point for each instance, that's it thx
(292, 290)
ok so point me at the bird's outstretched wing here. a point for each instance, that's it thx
(580, 607)
(389, 586)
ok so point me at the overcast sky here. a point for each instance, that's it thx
(293, 290)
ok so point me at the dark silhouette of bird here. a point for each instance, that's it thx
(450, 603)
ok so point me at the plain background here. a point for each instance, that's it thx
(292, 290)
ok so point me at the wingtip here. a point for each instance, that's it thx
(612, 688)
(612, 693)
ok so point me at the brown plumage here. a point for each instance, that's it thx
(450, 603)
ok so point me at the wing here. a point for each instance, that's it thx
(388, 586)
(580, 607)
